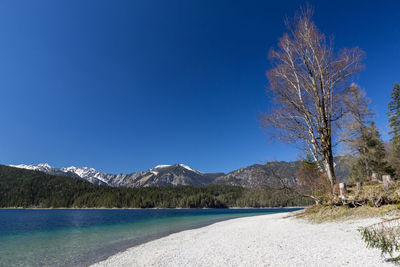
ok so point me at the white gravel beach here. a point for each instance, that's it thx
(265, 240)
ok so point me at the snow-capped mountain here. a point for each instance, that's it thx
(161, 175)
(181, 165)
(85, 173)
(44, 167)
(181, 174)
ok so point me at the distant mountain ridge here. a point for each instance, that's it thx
(273, 173)
(269, 174)
(25, 188)
(85, 173)
(161, 175)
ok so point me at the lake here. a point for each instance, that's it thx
(78, 237)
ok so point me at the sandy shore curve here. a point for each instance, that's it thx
(264, 240)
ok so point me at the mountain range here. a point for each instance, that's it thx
(269, 174)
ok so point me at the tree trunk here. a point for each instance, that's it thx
(342, 190)
(358, 188)
(387, 181)
(329, 168)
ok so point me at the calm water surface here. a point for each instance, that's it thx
(67, 237)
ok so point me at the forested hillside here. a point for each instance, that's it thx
(26, 188)
(270, 174)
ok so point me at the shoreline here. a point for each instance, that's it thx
(139, 242)
(233, 208)
(263, 240)
(93, 241)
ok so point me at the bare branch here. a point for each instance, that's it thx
(308, 82)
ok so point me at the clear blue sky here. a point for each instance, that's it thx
(122, 86)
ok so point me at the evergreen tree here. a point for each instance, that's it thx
(394, 123)
(394, 113)
(377, 151)
(373, 154)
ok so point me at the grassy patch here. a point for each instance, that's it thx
(320, 214)
(372, 201)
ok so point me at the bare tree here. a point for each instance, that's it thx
(311, 180)
(308, 81)
(356, 132)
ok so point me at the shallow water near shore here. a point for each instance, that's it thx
(78, 237)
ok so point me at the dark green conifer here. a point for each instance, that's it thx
(394, 113)
(373, 154)
(394, 123)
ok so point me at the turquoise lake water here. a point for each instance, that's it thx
(78, 237)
